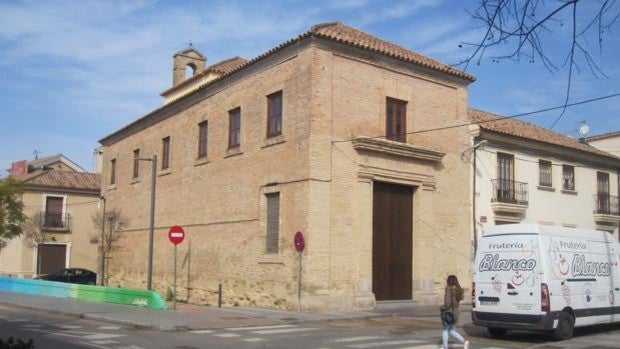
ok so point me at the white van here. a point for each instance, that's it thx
(545, 278)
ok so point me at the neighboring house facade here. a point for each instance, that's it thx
(609, 142)
(59, 200)
(322, 134)
(529, 174)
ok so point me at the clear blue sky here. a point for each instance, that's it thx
(72, 72)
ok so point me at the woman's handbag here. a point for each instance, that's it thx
(447, 317)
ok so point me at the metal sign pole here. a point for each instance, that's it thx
(299, 285)
(174, 291)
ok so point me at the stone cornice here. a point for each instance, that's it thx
(384, 146)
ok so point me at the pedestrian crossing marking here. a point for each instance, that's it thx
(201, 331)
(70, 327)
(384, 343)
(254, 339)
(251, 328)
(32, 326)
(227, 335)
(356, 339)
(283, 330)
(107, 341)
(109, 327)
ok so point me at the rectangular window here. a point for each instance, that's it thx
(602, 193)
(165, 153)
(568, 177)
(203, 130)
(112, 171)
(234, 128)
(505, 186)
(274, 114)
(396, 120)
(544, 173)
(273, 222)
(136, 163)
(53, 211)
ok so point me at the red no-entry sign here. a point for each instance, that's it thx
(176, 234)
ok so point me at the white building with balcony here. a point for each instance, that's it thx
(529, 174)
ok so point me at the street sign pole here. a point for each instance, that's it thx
(176, 236)
(299, 247)
(174, 291)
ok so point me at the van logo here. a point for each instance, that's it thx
(583, 267)
(507, 245)
(491, 262)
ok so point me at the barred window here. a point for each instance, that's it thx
(568, 177)
(273, 222)
(396, 120)
(544, 173)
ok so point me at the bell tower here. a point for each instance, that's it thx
(189, 58)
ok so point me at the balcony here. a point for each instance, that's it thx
(55, 221)
(510, 199)
(606, 209)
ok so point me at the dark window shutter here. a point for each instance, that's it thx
(273, 222)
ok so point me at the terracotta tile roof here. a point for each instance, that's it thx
(348, 35)
(64, 180)
(224, 67)
(517, 128)
(334, 31)
(602, 136)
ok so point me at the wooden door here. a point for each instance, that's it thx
(392, 248)
(52, 258)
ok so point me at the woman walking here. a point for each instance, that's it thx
(453, 295)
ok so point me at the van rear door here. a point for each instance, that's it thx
(507, 274)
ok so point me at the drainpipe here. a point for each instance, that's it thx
(474, 147)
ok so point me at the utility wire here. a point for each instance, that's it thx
(536, 161)
(497, 119)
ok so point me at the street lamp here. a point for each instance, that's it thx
(153, 160)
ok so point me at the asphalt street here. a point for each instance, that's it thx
(59, 331)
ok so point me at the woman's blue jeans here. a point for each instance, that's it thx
(449, 329)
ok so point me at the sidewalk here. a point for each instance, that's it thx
(193, 317)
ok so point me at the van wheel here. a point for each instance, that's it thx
(497, 332)
(564, 331)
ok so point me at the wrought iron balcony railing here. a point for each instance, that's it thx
(55, 221)
(510, 192)
(606, 204)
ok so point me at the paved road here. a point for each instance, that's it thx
(57, 331)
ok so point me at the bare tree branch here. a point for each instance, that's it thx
(514, 30)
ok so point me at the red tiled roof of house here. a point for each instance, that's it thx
(222, 67)
(334, 31)
(602, 136)
(68, 180)
(348, 35)
(512, 127)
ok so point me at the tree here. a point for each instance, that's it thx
(519, 29)
(11, 215)
(31, 228)
(109, 224)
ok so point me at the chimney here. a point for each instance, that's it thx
(189, 58)
(19, 168)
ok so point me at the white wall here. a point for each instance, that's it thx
(556, 207)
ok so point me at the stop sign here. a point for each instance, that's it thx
(176, 234)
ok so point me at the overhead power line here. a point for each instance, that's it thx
(497, 119)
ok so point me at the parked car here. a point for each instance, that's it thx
(72, 275)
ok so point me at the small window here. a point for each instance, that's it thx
(273, 222)
(568, 177)
(203, 130)
(544, 173)
(53, 211)
(274, 114)
(234, 128)
(396, 120)
(112, 171)
(136, 163)
(165, 153)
